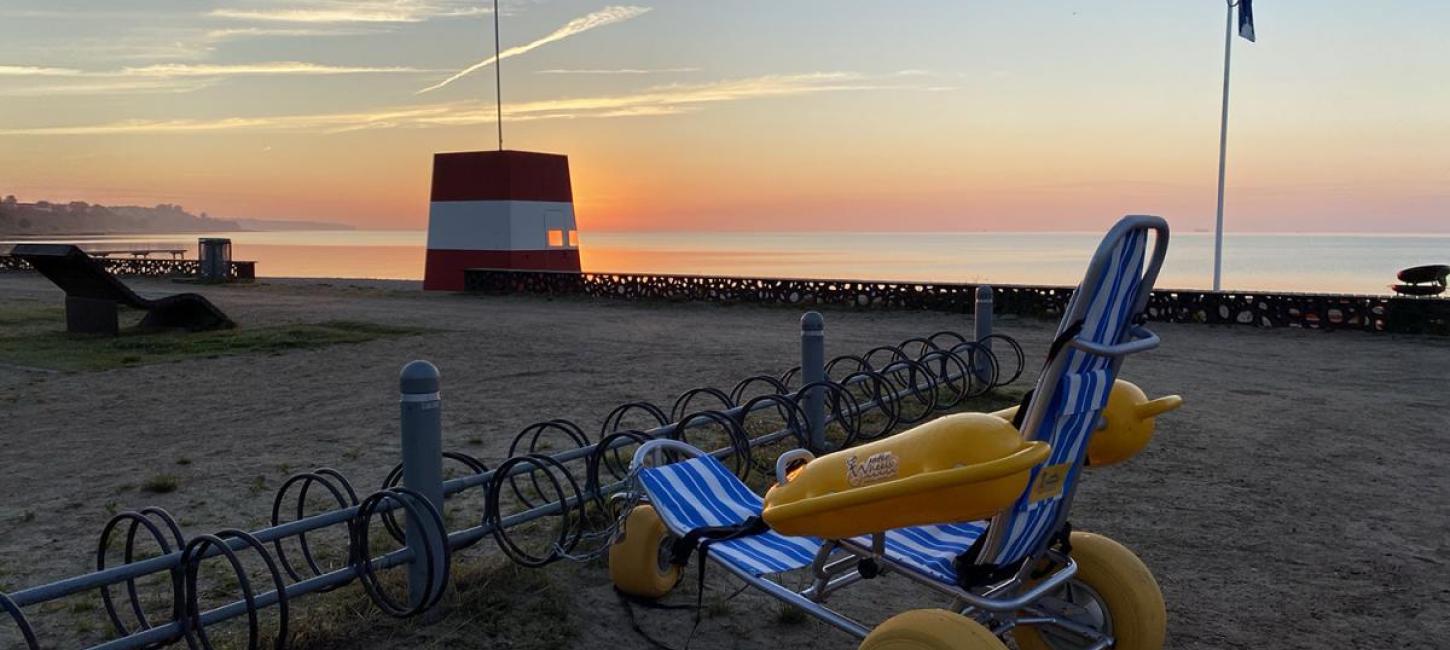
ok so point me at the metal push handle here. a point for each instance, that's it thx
(1146, 340)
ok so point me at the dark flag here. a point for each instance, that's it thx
(1246, 19)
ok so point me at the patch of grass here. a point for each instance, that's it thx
(718, 608)
(790, 615)
(160, 483)
(489, 603)
(28, 315)
(47, 348)
(83, 627)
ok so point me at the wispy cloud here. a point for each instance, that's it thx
(680, 97)
(606, 16)
(394, 11)
(162, 78)
(317, 15)
(169, 43)
(234, 33)
(126, 87)
(136, 45)
(663, 100)
(603, 71)
(180, 33)
(206, 70)
(272, 123)
(37, 71)
(283, 68)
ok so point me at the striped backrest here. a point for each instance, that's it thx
(1074, 387)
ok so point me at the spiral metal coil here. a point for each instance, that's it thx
(168, 539)
(27, 633)
(341, 491)
(865, 397)
(395, 478)
(192, 555)
(436, 550)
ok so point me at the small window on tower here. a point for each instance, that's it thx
(571, 238)
(556, 238)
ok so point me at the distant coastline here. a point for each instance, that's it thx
(281, 225)
(25, 220)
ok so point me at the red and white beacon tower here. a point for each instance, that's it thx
(501, 210)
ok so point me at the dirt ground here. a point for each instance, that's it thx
(1299, 500)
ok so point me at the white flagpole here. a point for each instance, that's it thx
(498, 78)
(1228, 40)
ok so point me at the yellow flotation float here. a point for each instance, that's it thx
(1128, 423)
(1127, 426)
(962, 467)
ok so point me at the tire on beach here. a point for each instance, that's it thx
(1113, 592)
(639, 561)
(931, 629)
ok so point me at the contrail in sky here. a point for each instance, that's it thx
(605, 16)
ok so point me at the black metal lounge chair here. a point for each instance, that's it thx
(92, 294)
(1422, 280)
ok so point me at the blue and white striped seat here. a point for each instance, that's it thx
(931, 550)
(702, 492)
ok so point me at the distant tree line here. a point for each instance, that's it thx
(81, 218)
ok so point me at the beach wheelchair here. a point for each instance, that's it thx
(971, 505)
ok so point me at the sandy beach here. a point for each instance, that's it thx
(1298, 500)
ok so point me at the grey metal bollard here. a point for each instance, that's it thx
(813, 369)
(982, 326)
(422, 432)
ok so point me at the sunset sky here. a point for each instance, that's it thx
(741, 115)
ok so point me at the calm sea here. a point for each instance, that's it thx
(1356, 263)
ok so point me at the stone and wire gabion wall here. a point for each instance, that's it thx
(147, 267)
(1259, 309)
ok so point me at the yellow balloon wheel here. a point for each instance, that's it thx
(1113, 592)
(639, 561)
(931, 629)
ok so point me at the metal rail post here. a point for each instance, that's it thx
(813, 369)
(982, 328)
(422, 437)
